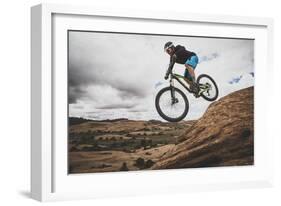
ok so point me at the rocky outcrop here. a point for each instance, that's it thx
(223, 136)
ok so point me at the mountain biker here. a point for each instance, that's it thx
(178, 54)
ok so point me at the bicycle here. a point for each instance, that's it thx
(172, 104)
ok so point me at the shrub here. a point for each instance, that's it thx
(143, 143)
(124, 167)
(140, 163)
(149, 163)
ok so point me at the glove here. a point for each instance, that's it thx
(166, 76)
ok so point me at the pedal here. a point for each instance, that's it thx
(196, 95)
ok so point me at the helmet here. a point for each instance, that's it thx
(168, 45)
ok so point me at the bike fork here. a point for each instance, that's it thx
(174, 99)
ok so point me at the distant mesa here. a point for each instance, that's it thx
(80, 120)
(153, 121)
(77, 120)
(114, 120)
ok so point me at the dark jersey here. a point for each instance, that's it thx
(180, 56)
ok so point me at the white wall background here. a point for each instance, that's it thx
(15, 102)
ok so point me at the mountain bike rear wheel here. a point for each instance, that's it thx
(171, 104)
(208, 87)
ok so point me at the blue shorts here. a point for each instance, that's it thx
(192, 61)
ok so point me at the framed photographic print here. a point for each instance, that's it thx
(136, 102)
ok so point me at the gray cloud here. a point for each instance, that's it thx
(95, 61)
(208, 57)
(75, 93)
(117, 75)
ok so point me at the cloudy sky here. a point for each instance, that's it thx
(115, 75)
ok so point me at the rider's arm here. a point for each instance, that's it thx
(171, 65)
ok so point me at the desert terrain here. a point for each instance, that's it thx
(223, 136)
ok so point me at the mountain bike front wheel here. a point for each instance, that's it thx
(171, 104)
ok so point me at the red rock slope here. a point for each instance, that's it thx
(224, 136)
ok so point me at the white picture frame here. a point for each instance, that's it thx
(49, 178)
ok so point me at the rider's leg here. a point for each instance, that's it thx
(192, 85)
(191, 72)
(187, 77)
(190, 66)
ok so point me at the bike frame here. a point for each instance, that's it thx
(178, 77)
